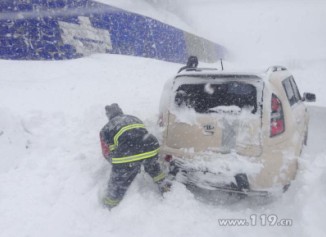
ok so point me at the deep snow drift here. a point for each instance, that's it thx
(51, 169)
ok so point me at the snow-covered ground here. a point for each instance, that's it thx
(51, 168)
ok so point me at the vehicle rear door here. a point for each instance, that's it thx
(217, 114)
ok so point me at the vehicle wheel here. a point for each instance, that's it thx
(242, 181)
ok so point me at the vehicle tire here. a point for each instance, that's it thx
(242, 182)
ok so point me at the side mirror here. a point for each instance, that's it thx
(309, 97)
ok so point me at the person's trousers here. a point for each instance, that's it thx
(122, 176)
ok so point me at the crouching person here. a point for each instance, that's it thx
(127, 145)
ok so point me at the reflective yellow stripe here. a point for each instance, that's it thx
(112, 147)
(110, 202)
(133, 158)
(126, 128)
(159, 177)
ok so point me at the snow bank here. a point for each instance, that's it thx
(51, 169)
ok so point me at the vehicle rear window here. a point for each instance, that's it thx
(204, 97)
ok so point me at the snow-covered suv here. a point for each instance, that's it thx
(239, 132)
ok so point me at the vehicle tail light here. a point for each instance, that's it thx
(277, 117)
(168, 158)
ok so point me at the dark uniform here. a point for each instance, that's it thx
(127, 145)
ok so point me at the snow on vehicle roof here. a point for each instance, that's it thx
(214, 73)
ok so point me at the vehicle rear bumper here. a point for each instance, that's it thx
(243, 150)
(263, 173)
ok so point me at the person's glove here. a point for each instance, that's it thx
(164, 186)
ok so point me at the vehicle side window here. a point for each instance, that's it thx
(291, 90)
(295, 89)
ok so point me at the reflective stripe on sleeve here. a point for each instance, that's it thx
(112, 147)
(159, 177)
(133, 158)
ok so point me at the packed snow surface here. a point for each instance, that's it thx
(51, 169)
